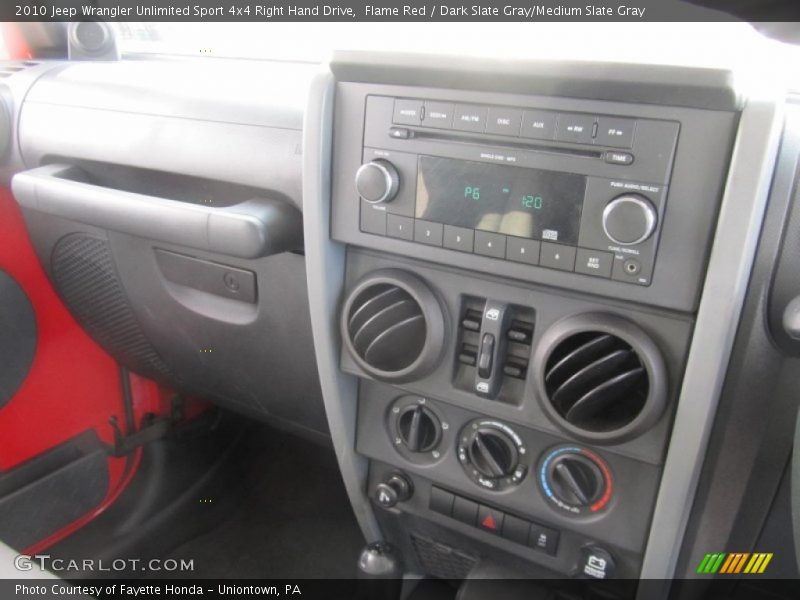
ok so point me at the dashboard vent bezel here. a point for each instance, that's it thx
(430, 309)
(648, 354)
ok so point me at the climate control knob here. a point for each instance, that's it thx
(377, 181)
(419, 429)
(491, 454)
(629, 220)
(575, 480)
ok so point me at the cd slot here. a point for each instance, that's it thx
(445, 136)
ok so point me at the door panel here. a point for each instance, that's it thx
(72, 388)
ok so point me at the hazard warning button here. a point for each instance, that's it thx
(490, 519)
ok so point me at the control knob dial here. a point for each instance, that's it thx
(377, 181)
(629, 219)
(491, 453)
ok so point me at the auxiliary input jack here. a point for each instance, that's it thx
(632, 266)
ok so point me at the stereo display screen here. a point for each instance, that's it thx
(528, 203)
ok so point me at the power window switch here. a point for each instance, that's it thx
(486, 356)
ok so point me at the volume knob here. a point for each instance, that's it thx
(629, 219)
(377, 181)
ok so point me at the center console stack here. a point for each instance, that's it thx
(522, 273)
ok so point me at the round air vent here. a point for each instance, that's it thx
(393, 326)
(601, 378)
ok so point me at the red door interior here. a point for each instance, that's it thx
(60, 412)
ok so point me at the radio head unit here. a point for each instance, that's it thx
(490, 189)
(556, 191)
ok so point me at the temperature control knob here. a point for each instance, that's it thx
(629, 219)
(576, 480)
(377, 181)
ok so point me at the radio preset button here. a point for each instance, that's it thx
(592, 262)
(427, 232)
(400, 227)
(470, 118)
(574, 128)
(556, 256)
(438, 114)
(407, 112)
(538, 124)
(458, 238)
(504, 121)
(613, 131)
(523, 250)
(490, 244)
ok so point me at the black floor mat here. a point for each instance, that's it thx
(293, 519)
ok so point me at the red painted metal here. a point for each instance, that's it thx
(73, 385)
(15, 44)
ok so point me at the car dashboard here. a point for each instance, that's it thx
(517, 282)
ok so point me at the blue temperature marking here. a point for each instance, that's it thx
(543, 470)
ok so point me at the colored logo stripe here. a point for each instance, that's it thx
(735, 562)
(711, 563)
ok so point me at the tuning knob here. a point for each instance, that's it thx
(377, 181)
(629, 220)
(576, 480)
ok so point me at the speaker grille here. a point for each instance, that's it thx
(441, 560)
(596, 381)
(85, 276)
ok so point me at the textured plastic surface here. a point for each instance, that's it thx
(84, 274)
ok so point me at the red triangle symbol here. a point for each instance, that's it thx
(489, 522)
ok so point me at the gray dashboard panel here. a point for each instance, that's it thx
(670, 332)
(231, 123)
(223, 120)
(646, 84)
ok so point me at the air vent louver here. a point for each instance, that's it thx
(603, 383)
(387, 327)
(596, 381)
(393, 326)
